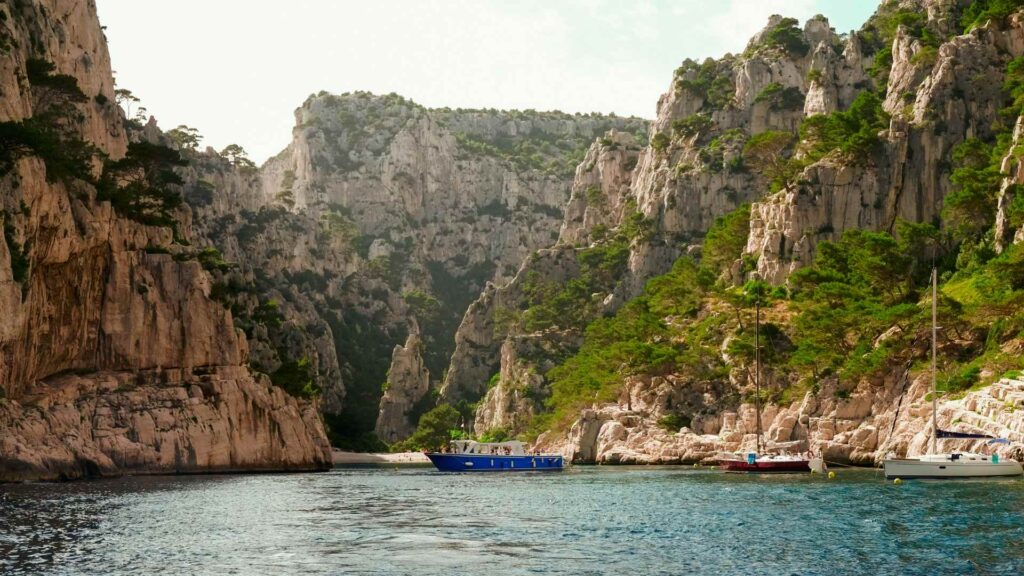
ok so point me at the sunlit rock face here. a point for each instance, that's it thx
(938, 94)
(936, 102)
(689, 174)
(863, 429)
(382, 215)
(411, 383)
(113, 356)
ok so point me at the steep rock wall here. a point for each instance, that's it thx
(381, 215)
(957, 97)
(104, 336)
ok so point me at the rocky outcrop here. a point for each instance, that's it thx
(667, 195)
(600, 191)
(517, 391)
(381, 215)
(1010, 206)
(861, 429)
(935, 105)
(216, 419)
(833, 198)
(411, 383)
(67, 34)
(113, 356)
(492, 318)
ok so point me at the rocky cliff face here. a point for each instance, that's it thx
(938, 97)
(663, 198)
(381, 215)
(113, 356)
(1009, 228)
(412, 382)
(863, 430)
(937, 89)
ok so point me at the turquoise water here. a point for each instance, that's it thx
(590, 520)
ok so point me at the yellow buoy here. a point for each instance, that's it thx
(695, 464)
(897, 481)
(831, 474)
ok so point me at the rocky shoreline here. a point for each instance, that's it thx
(856, 431)
(112, 424)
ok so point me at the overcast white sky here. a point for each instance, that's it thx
(237, 69)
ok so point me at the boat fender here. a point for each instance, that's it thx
(995, 458)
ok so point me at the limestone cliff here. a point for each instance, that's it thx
(411, 384)
(863, 429)
(662, 198)
(935, 88)
(380, 215)
(113, 356)
(938, 97)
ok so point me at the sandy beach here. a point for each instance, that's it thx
(342, 458)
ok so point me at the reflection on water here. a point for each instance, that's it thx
(583, 521)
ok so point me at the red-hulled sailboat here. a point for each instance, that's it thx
(757, 461)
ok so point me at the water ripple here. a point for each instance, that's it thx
(584, 521)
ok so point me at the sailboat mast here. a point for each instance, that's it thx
(935, 389)
(757, 368)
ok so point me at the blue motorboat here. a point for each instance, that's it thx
(470, 456)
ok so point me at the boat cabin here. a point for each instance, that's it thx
(510, 448)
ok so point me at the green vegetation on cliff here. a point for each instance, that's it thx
(143, 185)
(859, 314)
(708, 80)
(48, 134)
(637, 340)
(852, 133)
(981, 11)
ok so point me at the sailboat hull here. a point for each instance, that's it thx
(911, 468)
(766, 466)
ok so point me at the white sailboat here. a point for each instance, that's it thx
(948, 465)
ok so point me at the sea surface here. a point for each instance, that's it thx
(587, 520)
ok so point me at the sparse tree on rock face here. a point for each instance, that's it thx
(54, 94)
(186, 137)
(970, 208)
(143, 185)
(766, 153)
(125, 99)
(237, 155)
(51, 132)
(286, 197)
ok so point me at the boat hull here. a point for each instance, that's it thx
(487, 463)
(907, 469)
(766, 467)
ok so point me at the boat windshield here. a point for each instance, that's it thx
(512, 448)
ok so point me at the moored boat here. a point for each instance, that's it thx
(471, 456)
(757, 462)
(769, 463)
(954, 464)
